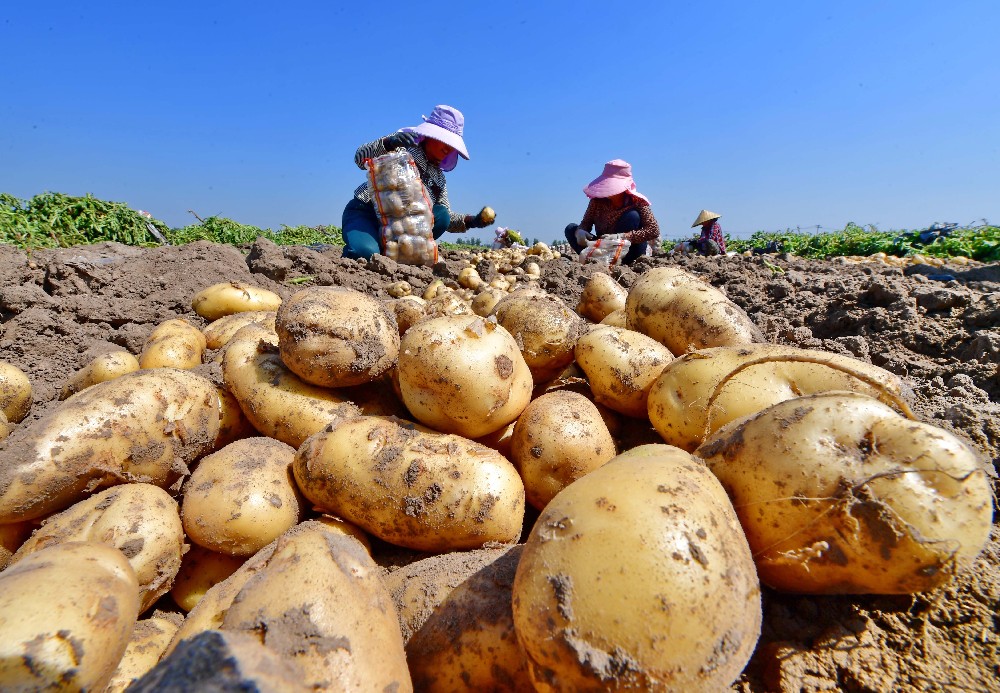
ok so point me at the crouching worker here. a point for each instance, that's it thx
(435, 146)
(616, 208)
(711, 241)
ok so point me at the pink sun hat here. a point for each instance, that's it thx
(616, 178)
(444, 124)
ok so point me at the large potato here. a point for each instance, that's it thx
(601, 297)
(150, 638)
(226, 298)
(638, 576)
(418, 489)
(545, 329)
(102, 368)
(140, 520)
(15, 392)
(699, 392)
(333, 336)
(558, 438)
(173, 344)
(839, 493)
(463, 374)
(218, 333)
(621, 366)
(145, 426)
(66, 616)
(240, 498)
(685, 313)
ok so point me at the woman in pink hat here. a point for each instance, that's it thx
(616, 207)
(435, 146)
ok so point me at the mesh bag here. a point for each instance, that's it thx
(403, 208)
(606, 250)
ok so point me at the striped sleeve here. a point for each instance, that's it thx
(369, 151)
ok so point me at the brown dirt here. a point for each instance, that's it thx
(61, 308)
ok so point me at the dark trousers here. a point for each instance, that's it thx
(363, 233)
(629, 221)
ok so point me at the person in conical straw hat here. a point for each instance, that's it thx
(616, 207)
(711, 242)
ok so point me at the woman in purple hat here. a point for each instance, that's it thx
(616, 207)
(435, 146)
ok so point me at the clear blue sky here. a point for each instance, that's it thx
(775, 115)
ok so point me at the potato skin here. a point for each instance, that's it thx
(601, 297)
(173, 344)
(226, 298)
(15, 392)
(545, 329)
(421, 490)
(101, 369)
(150, 638)
(145, 426)
(622, 575)
(201, 570)
(218, 333)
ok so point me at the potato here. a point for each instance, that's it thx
(150, 638)
(333, 336)
(145, 426)
(486, 300)
(399, 289)
(11, 538)
(102, 368)
(201, 570)
(173, 344)
(616, 319)
(839, 493)
(217, 334)
(624, 576)
(408, 311)
(684, 313)
(545, 330)
(559, 438)
(15, 393)
(226, 298)
(233, 423)
(421, 490)
(621, 366)
(6, 427)
(242, 497)
(469, 278)
(463, 375)
(601, 297)
(339, 526)
(698, 393)
(140, 520)
(447, 302)
(66, 615)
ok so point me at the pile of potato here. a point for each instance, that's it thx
(668, 461)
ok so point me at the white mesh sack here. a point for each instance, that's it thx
(403, 208)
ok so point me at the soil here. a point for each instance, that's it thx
(60, 308)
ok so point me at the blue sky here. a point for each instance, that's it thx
(776, 115)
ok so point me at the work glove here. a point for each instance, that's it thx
(583, 236)
(399, 140)
(485, 217)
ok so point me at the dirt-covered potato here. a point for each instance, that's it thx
(102, 368)
(15, 393)
(700, 392)
(333, 336)
(226, 298)
(348, 529)
(240, 498)
(218, 333)
(173, 344)
(410, 487)
(617, 318)
(408, 311)
(463, 374)
(150, 638)
(201, 570)
(447, 302)
(601, 297)
(839, 493)
(638, 576)
(66, 617)
(145, 426)
(11, 538)
(545, 329)
(558, 438)
(486, 300)
(140, 520)
(684, 313)
(621, 366)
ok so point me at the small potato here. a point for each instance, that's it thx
(336, 337)
(201, 570)
(470, 279)
(447, 302)
(217, 334)
(15, 392)
(226, 298)
(66, 616)
(621, 366)
(617, 318)
(485, 301)
(559, 438)
(408, 311)
(103, 368)
(601, 297)
(173, 344)
(150, 638)
(241, 498)
(6, 427)
(545, 328)
(399, 289)
(859, 500)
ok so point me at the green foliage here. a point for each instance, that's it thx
(223, 230)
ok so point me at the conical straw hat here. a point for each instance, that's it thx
(705, 216)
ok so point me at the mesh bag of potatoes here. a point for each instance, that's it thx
(403, 208)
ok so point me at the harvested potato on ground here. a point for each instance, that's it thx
(15, 392)
(601, 297)
(545, 329)
(339, 526)
(463, 374)
(218, 333)
(101, 369)
(447, 302)
(201, 570)
(150, 638)
(140, 520)
(233, 423)
(333, 336)
(173, 344)
(399, 289)
(558, 438)
(242, 497)
(638, 576)
(838, 493)
(486, 300)
(226, 298)
(6, 427)
(418, 489)
(408, 311)
(621, 366)
(145, 426)
(616, 319)
(66, 616)
(700, 392)
(11, 538)
(684, 313)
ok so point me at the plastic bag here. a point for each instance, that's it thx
(403, 208)
(606, 250)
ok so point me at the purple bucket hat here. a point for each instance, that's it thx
(444, 124)
(616, 178)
